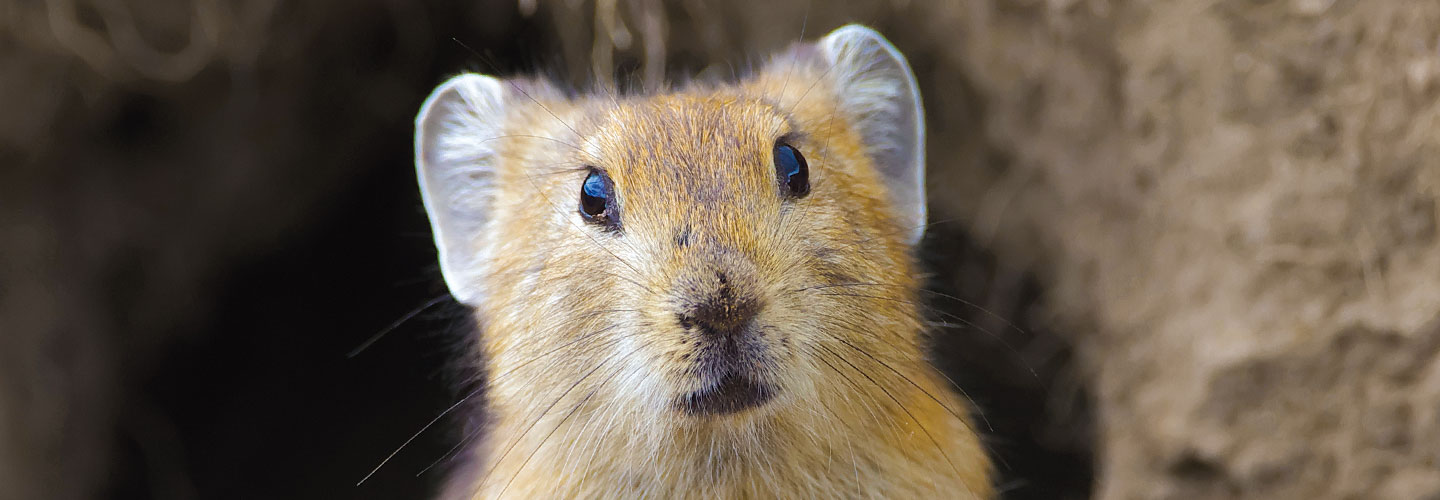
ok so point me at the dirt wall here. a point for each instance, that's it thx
(1234, 206)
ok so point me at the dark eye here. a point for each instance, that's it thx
(790, 166)
(596, 195)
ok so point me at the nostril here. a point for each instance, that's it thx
(723, 316)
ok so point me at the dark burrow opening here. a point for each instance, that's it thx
(990, 335)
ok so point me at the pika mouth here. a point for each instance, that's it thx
(731, 394)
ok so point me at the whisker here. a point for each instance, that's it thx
(585, 431)
(791, 72)
(451, 452)
(417, 434)
(975, 406)
(944, 315)
(491, 380)
(851, 381)
(856, 327)
(859, 391)
(396, 324)
(542, 106)
(467, 397)
(977, 307)
(521, 436)
(551, 406)
(533, 136)
(913, 383)
(560, 424)
(516, 368)
(580, 487)
(928, 309)
(908, 413)
(838, 285)
(808, 89)
(496, 465)
(483, 59)
(856, 243)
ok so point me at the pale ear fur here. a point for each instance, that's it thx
(877, 91)
(456, 161)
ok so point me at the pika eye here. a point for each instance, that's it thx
(790, 167)
(596, 197)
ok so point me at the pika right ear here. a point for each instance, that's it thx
(877, 90)
(456, 160)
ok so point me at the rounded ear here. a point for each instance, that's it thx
(455, 158)
(877, 92)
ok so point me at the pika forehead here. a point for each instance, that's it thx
(699, 147)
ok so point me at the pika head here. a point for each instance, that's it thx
(704, 279)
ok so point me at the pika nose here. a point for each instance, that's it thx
(723, 313)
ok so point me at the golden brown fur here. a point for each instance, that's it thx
(585, 354)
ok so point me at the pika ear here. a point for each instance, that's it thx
(877, 91)
(456, 160)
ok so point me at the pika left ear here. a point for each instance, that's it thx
(456, 162)
(877, 92)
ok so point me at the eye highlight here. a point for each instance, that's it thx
(790, 168)
(597, 195)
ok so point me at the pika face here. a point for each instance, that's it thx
(708, 276)
(712, 193)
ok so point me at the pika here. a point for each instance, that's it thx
(708, 292)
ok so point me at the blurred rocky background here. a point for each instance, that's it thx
(1180, 249)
